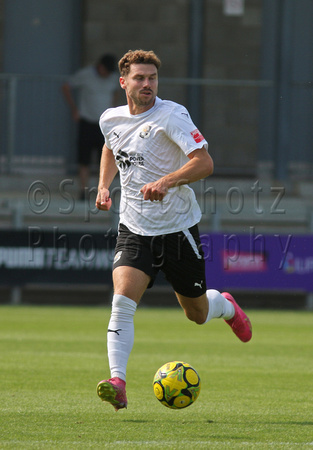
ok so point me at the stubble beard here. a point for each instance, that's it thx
(147, 102)
(142, 102)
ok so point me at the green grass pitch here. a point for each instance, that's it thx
(255, 395)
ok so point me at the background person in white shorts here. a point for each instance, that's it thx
(158, 151)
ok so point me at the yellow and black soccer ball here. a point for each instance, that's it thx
(176, 385)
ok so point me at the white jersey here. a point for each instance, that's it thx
(95, 93)
(146, 147)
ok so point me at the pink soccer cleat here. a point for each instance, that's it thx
(240, 323)
(114, 392)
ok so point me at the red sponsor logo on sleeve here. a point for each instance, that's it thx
(197, 136)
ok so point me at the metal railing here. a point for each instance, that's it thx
(36, 127)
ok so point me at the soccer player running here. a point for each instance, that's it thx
(158, 151)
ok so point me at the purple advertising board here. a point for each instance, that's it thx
(233, 261)
(267, 262)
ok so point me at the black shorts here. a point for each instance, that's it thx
(178, 255)
(89, 138)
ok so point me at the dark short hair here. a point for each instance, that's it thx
(109, 62)
(137, 57)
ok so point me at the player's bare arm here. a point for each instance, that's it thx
(108, 170)
(199, 166)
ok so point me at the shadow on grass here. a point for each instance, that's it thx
(137, 421)
(148, 421)
(290, 423)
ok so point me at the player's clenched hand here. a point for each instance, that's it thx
(103, 200)
(155, 191)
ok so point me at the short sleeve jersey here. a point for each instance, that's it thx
(146, 147)
(95, 93)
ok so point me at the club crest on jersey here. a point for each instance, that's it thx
(145, 132)
(197, 136)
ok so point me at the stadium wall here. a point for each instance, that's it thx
(1, 32)
(255, 75)
(230, 50)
